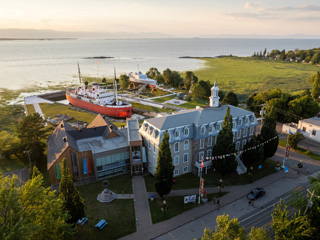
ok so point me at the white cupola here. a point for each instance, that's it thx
(214, 99)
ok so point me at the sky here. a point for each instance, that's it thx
(174, 17)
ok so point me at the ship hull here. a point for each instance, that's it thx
(108, 110)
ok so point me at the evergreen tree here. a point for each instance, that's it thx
(72, 202)
(190, 79)
(124, 81)
(268, 131)
(315, 91)
(225, 145)
(253, 155)
(264, 52)
(153, 73)
(164, 169)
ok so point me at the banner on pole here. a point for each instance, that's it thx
(201, 185)
(85, 168)
(190, 199)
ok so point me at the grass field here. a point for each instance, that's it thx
(163, 99)
(246, 75)
(190, 180)
(175, 205)
(119, 213)
(151, 108)
(51, 110)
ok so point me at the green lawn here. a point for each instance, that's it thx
(51, 110)
(163, 99)
(301, 151)
(119, 213)
(175, 205)
(31, 109)
(150, 108)
(158, 92)
(10, 164)
(190, 180)
(244, 75)
(193, 104)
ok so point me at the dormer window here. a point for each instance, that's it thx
(240, 122)
(218, 126)
(203, 130)
(234, 125)
(247, 120)
(186, 131)
(176, 134)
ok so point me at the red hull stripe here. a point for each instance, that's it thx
(112, 111)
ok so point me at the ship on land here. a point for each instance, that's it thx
(99, 100)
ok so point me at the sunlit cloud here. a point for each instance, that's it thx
(250, 5)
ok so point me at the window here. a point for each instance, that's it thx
(201, 155)
(154, 148)
(247, 120)
(234, 137)
(176, 147)
(209, 153)
(185, 169)
(251, 131)
(154, 161)
(304, 129)
(238, 145)
(186, 131)
(149, 168)
(209, 141)
(201, 143)
(176, 160)
(202, 130)
(240, 122)
(185, 157)
(245, 132)
(74, 164)
(218, 126)
(234, 125)
(244, 142)
(176, 133)
(186, 145)
(249, 139)
(314, 132)
(176, 172)
(239, 134)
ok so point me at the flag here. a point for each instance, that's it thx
(88, 166)
(85, 168)
(58, 171)
(202, 163)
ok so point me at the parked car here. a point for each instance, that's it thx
(256, 193)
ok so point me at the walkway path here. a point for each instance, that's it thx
(141, 206)
(23, 175)
(190, 224)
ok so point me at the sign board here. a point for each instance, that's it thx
(287, 150)
(286, 169)
(201, 185)
(260, 166)
(190, 199)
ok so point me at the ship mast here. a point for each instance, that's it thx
(115, 87)
(79, 73)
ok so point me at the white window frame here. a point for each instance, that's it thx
(186, 154)
(202, 130)
(154, 148)
(201, 143)
(176, 133)
(239, 133)
(244, 142)
(234, 125)
(304, 129)
(238, 145)
(240, 122)
(218, 127)
(185, 169)
(201, 155)
(314, 132)
(251, 131)
(245, 132)
(186, 131)
(209, 153)
(176, 171)
(186, 145)
(154, 161)
(209, 141)
(176, 160)
(174, 147)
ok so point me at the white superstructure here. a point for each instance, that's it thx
(139, 77)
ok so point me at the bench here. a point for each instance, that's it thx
(82, 220)
(101, 224)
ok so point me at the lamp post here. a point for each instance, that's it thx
(220, 186)
(250, 173)
(164, 208)
(28, 152)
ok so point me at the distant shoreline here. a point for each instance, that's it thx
(39, 39)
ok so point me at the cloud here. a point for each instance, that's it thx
(250, 5)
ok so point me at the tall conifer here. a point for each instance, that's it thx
(164, 170)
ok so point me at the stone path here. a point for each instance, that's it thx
(125, 196)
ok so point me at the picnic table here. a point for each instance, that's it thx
(82, 220)
(101, 224)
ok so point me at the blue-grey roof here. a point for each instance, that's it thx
(314, 121)
(133, 130)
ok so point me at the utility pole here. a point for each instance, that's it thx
(309, 201)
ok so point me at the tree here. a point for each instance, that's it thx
(316, 57)
(104, 80)
(300, 201)
(314, 80)
(198, 91)
(231, 98)
(295, 139)
(8, 144)
(73, 204)
(31, 211)
(283, 55)
(167, 77)
(172, 78)
(153, 73)
(268, 131)
(304, 106)
(290, 54)
(296, 227)
(164, 169)
(274, 53)
(190, 79)
(225, 145)
(253, 155)
(86, 83)
(124, 81)
(32, 134)
(264, 52)
(206, 86)
(259, 234)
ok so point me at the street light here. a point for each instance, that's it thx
(28, 152)
(164, 208)
(220, 186)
